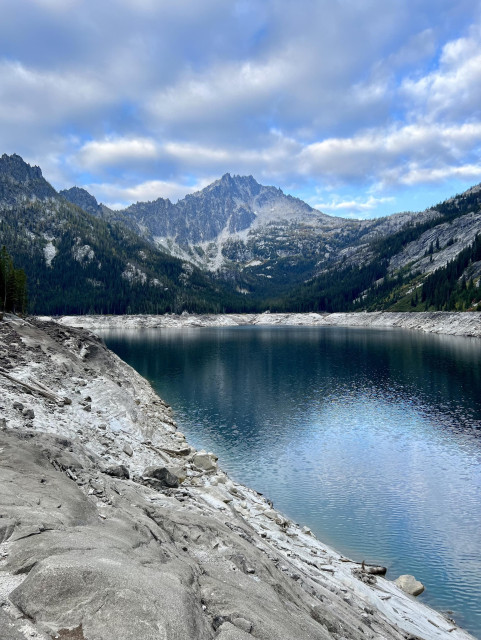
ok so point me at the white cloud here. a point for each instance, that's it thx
(454, 89)
(371, 155)
(110, 152)
(28, 95)
(415, 175)
(372, 95)
(353, 206)
(223, 91)
(117, 196)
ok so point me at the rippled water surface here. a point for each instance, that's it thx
(371, 437)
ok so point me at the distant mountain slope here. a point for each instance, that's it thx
(430, 263)
(283, 254)
(235, 245)
(81, 263)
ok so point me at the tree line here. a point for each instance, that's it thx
(448, 288)
(13, 285)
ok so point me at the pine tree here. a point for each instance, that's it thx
(13, 285)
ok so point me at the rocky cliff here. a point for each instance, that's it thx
(113, 526)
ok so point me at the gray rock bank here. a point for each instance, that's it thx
(112, 526)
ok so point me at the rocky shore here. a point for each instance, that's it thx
(445, 322)
(113, 526)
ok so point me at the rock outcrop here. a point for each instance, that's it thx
(112, 526)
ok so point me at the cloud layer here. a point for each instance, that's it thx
(361, 108)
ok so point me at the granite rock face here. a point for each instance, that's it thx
(90, 555)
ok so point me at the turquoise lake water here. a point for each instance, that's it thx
(370, 437)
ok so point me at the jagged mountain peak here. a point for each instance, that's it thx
(82, 198)
(19, 181)
(16, 167)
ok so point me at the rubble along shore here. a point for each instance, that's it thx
(466, 324)
(113, 526)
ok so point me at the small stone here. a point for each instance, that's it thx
(29, 414)
(271, 514)
(307, 531)
(243, 624)
(180, 472)
(118, 471)
(18, 405)
(127, 449)
(410, 585)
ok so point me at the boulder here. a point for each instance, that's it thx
(111, 597)
(162, 475)
(410, 585)
(118, 471)
(205, 461)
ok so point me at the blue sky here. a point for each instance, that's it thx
(360, 107)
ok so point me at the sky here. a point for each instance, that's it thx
(362, 108)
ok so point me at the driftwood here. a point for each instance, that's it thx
(158, 451)
(177, 452)
(37, 388)
(373, 569)
(327, 569)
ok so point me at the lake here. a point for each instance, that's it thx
(370, 437)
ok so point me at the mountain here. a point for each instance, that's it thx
(20, 181)
(228, 206)
(283, 254)
(77, 262)
(235, 245)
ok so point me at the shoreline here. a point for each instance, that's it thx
(467, 324)
(237, 567)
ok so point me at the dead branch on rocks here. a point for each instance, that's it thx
(37, 388)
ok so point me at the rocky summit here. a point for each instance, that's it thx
(113, 526)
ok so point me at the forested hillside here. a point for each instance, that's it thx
(93, 260)
(78, 263)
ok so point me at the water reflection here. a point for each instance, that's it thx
(372, 437)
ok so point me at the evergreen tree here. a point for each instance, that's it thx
(13, 285)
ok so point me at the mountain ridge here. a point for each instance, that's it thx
(251, 246)
(79, 261)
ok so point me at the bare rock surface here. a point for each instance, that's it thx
(87, 554)
(442, 322)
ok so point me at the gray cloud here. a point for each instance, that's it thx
(344, 101)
